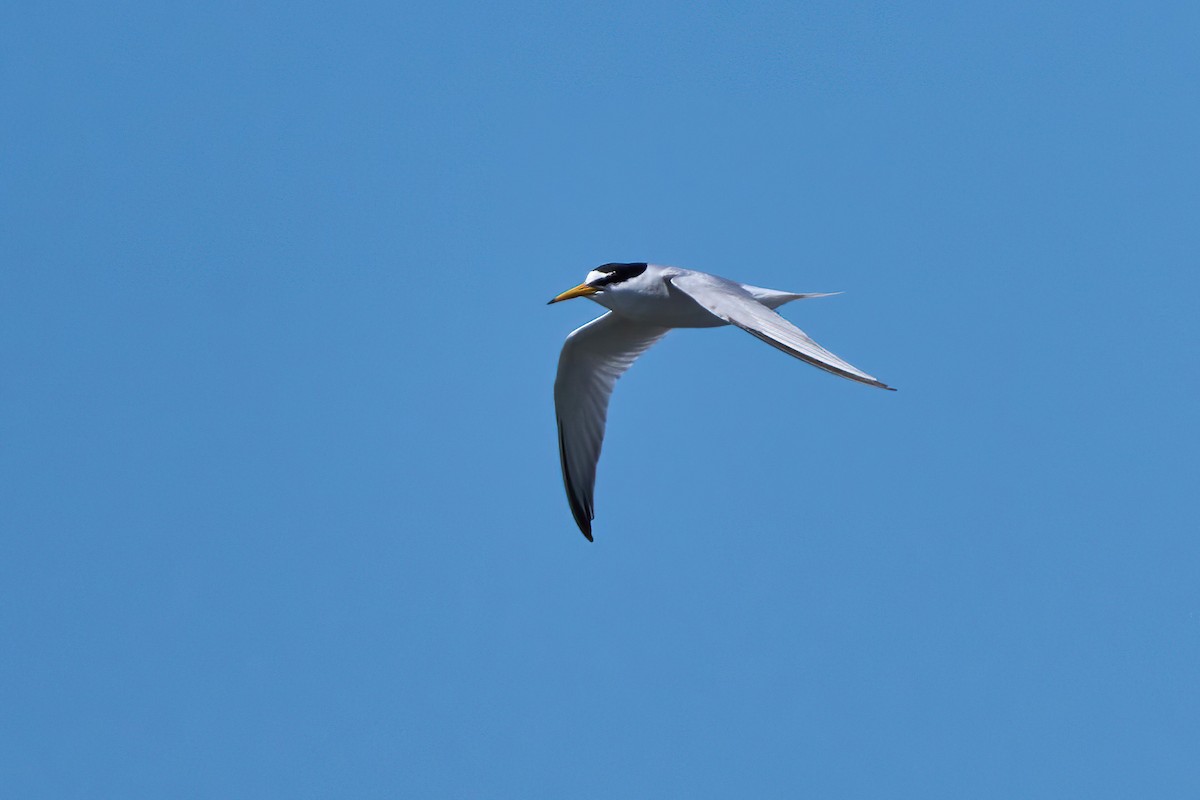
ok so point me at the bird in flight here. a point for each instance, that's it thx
(644, 301)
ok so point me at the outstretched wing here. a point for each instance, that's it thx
(730, 302)
(592, 359)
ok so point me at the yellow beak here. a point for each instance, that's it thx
(582, 290)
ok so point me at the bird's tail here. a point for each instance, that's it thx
(773, 298)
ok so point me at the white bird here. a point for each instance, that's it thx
(644, 301)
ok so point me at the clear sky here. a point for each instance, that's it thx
(279, 488)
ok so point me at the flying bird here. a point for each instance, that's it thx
(644, 301)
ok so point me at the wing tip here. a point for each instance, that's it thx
(582, 520)
(583, 514)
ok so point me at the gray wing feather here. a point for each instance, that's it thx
(733, 304)
(592, 359)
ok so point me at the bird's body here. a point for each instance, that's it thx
(653, 299)
(645, 301)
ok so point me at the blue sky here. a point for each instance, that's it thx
(279, 494)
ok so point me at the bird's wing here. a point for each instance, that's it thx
(592, 359)
(735, 305)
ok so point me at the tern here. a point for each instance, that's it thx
(644, 301)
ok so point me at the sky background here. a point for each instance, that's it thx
(280, 505)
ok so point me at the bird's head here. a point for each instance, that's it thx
(603, 278)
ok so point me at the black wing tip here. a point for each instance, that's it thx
(582, 518)
(583, 515)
